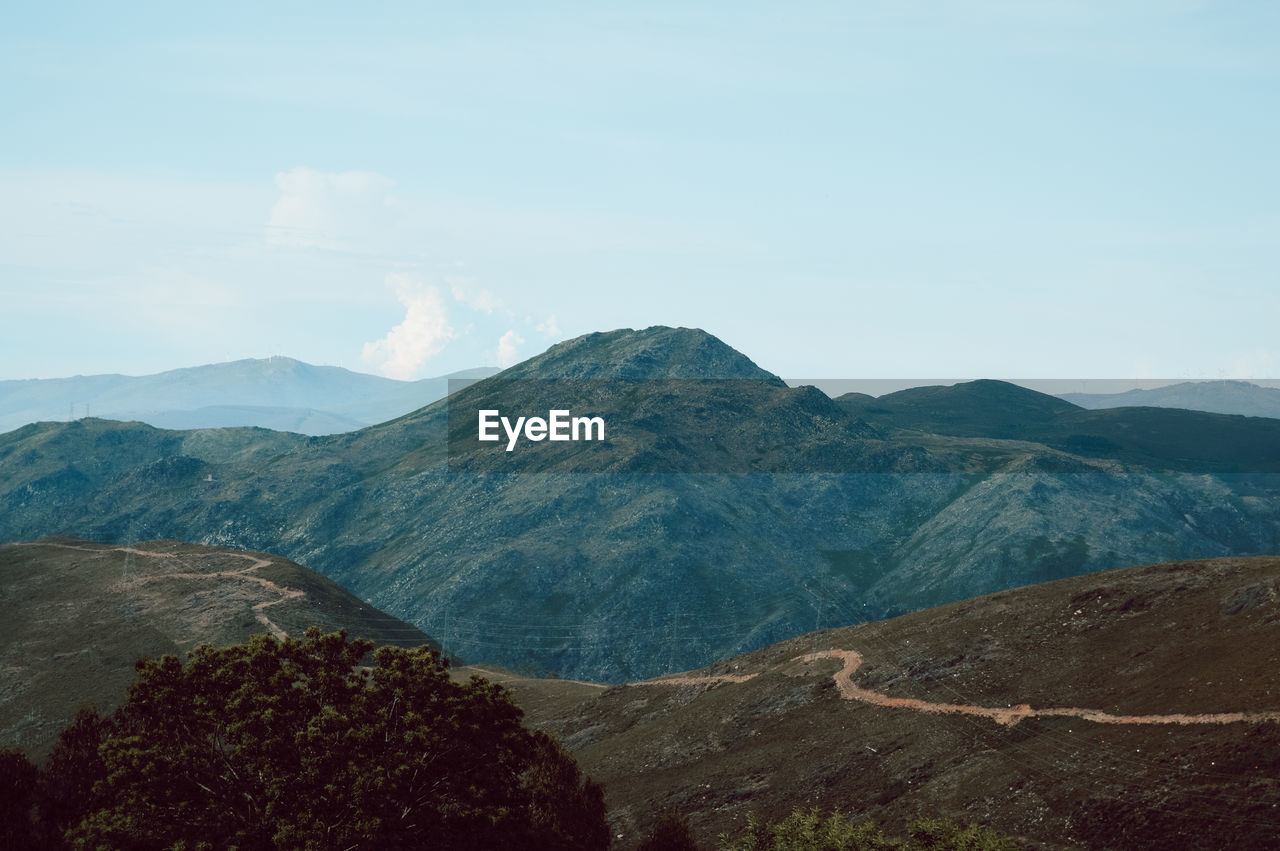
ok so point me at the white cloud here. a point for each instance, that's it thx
(508, 347)
(333, 211)
(483, 300)
(548, 327)
(423, 334)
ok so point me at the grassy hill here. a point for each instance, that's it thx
(78, 615)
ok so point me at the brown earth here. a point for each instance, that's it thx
(1128, 709)
(1137, 708)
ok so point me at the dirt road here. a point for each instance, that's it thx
(1011, 715)
(244, 573)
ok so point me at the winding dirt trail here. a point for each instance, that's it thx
(1007, 716)
(259, 609)
(1011, 715)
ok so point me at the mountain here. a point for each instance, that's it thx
(78, 614)
(721, 510)
(1137, 708)
(267, 393)
(1219, 397)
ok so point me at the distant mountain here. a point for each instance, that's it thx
(277, 392)
(77, 615)
(1218, 397)
(723, 510)
(298, 420)
(1134, 708)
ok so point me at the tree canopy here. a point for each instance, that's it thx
(297, 744)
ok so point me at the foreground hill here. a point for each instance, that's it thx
(77, 615)
(277, 392)
(722, 512)
(1137, 708)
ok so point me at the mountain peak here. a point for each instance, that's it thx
(650, 353)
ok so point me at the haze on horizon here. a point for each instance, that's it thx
(878, 190)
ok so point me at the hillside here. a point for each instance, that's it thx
(77, 616)
(724, 511)
(276, 392)
(1137, 708)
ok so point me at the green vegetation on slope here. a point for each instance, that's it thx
(808, 830)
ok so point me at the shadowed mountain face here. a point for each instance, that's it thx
(78, 615)
(1137, 708)
(721, 512)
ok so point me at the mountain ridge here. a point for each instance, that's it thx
(858, 520)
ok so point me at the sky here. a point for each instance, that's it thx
(863, 189)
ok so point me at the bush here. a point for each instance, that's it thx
(293, 744)
(671, 833)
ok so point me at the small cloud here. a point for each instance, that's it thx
(548, 327)
(507, 348)
(483, 300)
(422, 335)
(331, 211)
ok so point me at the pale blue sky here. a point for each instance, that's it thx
(858, 189)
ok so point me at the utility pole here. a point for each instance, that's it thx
(675, 638)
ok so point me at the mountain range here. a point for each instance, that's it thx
(1219, 397)
(724, 511)
(278, 393)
